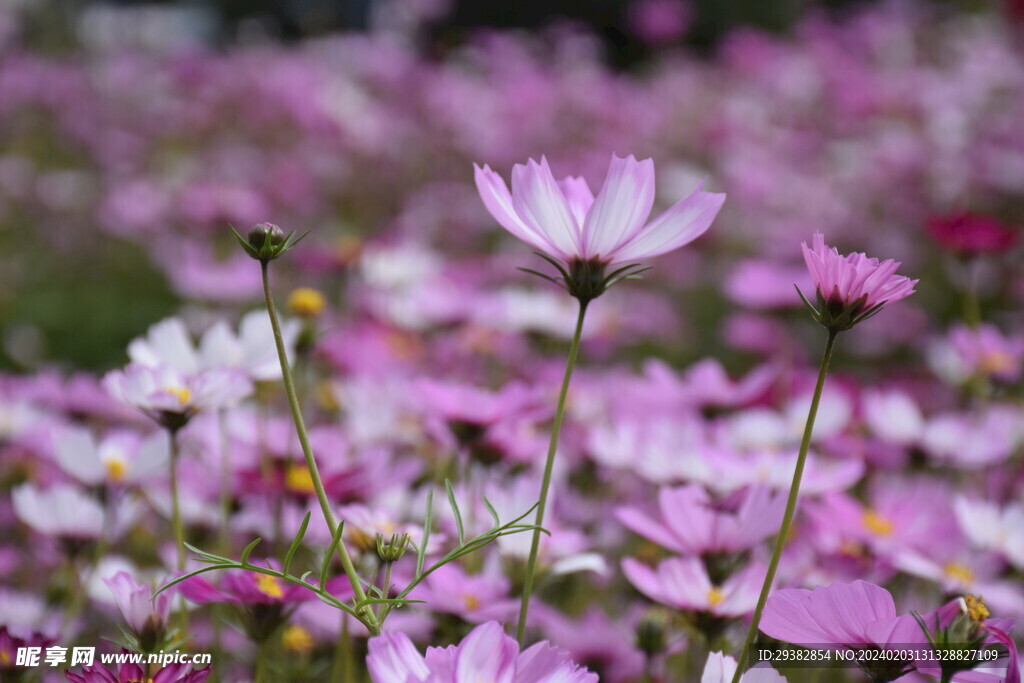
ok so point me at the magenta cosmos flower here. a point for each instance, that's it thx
(690, 521)
(486, 654)
(145, 615)
(564, 220)
(851, 288)
(130, 673)
(862, 615)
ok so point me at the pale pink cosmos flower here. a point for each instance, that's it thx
(475, 598)
(690, 521)
(721, 668)
(850, 287)
(61, 510)
(683, 582)
(139, 608)
(486, 654)
(171, 397)
(564, 220)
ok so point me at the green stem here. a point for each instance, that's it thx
(787, 518)
(225, 485)
(177, 527)
(261, 663)
(385, 589)
(556, 428)
(367, 616)
(343, 669)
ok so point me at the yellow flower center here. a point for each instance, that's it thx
(269, 586)
(182, 393)
(297, 639)
(306, 302)
(995, 362)
(115, 470)
(959, 572)
(715, 596)
(5, 657)
(976, 609)
(298, 479)
(471, 601)
(878, 524)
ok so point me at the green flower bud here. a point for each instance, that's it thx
(266, 241)
(393, 550)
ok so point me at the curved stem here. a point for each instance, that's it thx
(556, 428)
(176, 525)
(367, 616)
(787, 518)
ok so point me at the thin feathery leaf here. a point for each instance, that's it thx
(205, 555)
(294, 547)
(185, 577)
(428, 518)
(494, 513)
(326, 564)
(455, 511)
(244, 560)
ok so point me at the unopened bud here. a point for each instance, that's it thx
(262, 233)
(393, 550)
(266, 241)
(650, 633)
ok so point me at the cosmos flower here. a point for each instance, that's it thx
(972, 233)
(683, 582)
(982, 351)
(251, 351)
(475, 598)
(121, 457)
(851, 288)
(690, 522)
(60, 510)
(129, 673)
(171, 397)
(566, 222)
(721, 668)
(863, 615)
(486, 654)
(141, 611)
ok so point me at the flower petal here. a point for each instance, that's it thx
(486, 654)
(684, 222)
(539, 202)
(578, 195)
(393, 658)
(621, 208)
(498, 201)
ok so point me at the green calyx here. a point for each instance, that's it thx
(266, 241)
(586, 280)
(837, 314)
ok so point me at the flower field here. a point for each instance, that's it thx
(348, 360)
